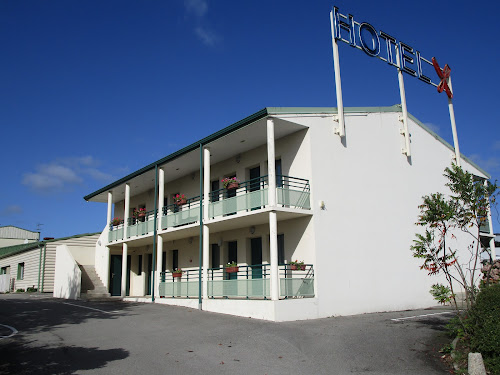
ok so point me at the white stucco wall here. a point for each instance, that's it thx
(68, 277)
(371, 192)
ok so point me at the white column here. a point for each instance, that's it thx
(159, 262)
(124, 269)
(105, 267)
(126, 211)
(492, 234)
(453, 125)
(338, 86)
(271, 169)
(110, 207)
(206, 259)
(161, 195)
(206, 182)
(273, 249)
(405, 132)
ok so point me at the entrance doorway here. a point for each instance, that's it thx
(115, 271)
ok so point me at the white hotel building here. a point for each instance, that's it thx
(345, 206)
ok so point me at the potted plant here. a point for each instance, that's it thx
(139, 212)
(297, 265)
(232, 267)
(230, 183)
(177, 273)
(116, 221)
(180, 199)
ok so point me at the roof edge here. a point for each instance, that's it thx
(16, 249)
(210, 138)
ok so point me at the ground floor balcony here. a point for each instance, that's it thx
(246, 198)
(240, 282)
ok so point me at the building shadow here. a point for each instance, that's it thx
(24, 358)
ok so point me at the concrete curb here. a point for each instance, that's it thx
(476, 364)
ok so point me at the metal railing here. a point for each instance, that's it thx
(175, 215)
(186, 286)
(248, 282)
(250, 195)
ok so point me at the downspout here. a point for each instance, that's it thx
(39, 267)
(155, 232)
(43, 268)
(200, 253)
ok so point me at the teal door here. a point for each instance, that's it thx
(115, 271)
(256, 257)
(149, 274)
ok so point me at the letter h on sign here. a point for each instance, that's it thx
(345, 23)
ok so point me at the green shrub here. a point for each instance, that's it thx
(31, 289)
(483, 324)
(20, 290)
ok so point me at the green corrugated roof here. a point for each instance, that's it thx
(264, 113)
(16, 249)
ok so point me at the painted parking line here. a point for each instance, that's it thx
(14, 331)
(90, 308)
(421, 316)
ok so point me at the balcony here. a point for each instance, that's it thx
(249, 282)
(251, 195)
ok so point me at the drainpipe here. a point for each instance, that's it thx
(43, 268)
(200, 252)
(155, 232)
(39, 266)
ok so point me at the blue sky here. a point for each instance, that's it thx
(94, 90)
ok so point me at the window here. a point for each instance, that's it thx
(215, 190)
(20, 271)
(281, 249)
(215, 256)
(3, 270)
(175, 259)
(279, 177)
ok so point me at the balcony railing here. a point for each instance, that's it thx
(249, 282)
(485, 225)
(291, 192)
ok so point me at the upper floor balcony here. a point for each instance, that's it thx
(248, 197)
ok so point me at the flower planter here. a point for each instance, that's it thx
(176, 274)
(233, 185)
(232, 269)
(295, 267)
(181, 202)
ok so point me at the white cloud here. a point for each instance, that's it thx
(197, 7)
(12, 209)
(208, 37)
(63, 174)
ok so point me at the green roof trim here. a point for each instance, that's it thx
(16, 249)
(237, 125)
(269, 111)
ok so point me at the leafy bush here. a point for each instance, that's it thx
(31, 289)
(20, 290)
(441, 293)
(483, 322)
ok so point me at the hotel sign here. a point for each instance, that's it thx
(381, 45)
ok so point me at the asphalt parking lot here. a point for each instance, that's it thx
(42, 335)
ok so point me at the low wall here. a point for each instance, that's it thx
(68, 277)
(4, 283)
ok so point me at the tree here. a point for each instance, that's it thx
(444, 217)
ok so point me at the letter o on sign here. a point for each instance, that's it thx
(374, 49)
